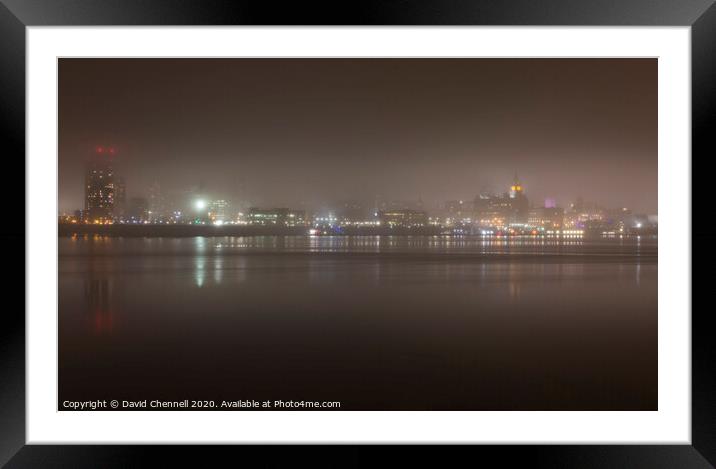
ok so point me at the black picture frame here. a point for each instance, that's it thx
(16, 15)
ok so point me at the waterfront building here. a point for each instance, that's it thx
(583, 214)
(492, 211)
(219, 211)
(500, 211)
(519, 205)
(546, 217)
(403, 218)
(99, 186)
(276, 217)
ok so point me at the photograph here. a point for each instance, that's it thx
(357, 234)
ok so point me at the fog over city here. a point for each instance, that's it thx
(358, 234)
(308, 133)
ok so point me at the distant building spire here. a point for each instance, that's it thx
(516, 187)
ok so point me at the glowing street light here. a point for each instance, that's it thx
(200, 204)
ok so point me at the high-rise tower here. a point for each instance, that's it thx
(519, 202)
(99, 186)
(516, 188)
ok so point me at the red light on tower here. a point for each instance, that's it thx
(100, 149)
(111, 150)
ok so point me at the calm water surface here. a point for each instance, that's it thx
(382, 323)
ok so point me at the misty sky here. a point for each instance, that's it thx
(298, 132)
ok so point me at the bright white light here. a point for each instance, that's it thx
(200, 204)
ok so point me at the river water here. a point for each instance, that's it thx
(375, 323)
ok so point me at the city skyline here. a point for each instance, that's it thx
(378, 201)
(105, 158)
(303, 132)
(509, 213)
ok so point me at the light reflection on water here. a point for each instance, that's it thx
(376, 322)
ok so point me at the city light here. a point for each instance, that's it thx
(508, 214)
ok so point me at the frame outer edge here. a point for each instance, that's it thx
(12, 235)
(365, 12)
(703, 144)
(12, 120)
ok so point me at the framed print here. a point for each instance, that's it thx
(413, 224)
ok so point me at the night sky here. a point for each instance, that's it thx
(304, 133)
